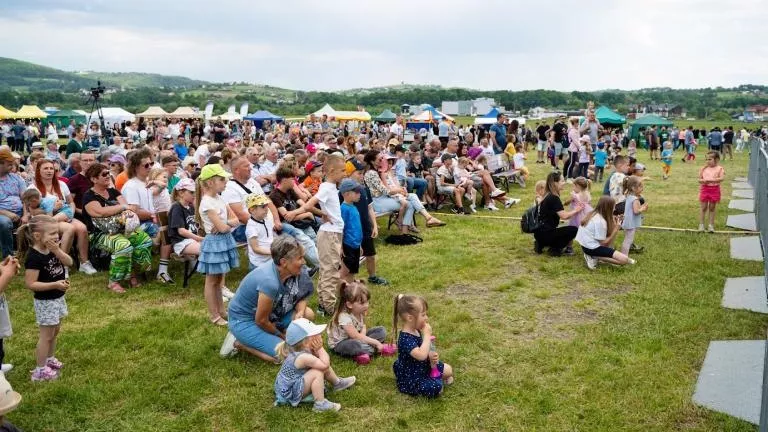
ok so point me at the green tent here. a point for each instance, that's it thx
(609, 117)
(647, 121)
(386, 116)
(61, 118)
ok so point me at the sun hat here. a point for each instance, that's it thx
(300, 329)
(353, 165)
(9, 399)
(37, 144)
(349, 185)
(117, 158)
(185, 184)
(311, 165)
(253, 200)
(393, 141)
(213, 170)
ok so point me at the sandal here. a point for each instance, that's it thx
(135, 282)
(219, 321)
(435, 222)
(116, 287)
(413, 229)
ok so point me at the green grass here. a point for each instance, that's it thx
(537, 343)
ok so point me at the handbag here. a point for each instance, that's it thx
(530, 223)
(124, 222)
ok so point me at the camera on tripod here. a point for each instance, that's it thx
(97, 91)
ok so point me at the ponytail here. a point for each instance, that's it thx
(395, 317)
(282, 349)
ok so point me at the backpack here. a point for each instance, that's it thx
(403, 239)
(530, 223)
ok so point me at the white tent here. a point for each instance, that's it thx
(325, 110)
(153, 112)
(185, 113)
(113, 115)
(227, 116)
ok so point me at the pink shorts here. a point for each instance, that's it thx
(709, 194)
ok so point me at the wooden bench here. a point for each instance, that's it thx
(500, 170)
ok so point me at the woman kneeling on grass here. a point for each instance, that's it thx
(598, 232)
(278, 293)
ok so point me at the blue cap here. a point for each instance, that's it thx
(300, 329)
(348, 185)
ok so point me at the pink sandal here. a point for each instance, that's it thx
(116, 287)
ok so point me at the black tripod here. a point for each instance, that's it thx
(94, 99)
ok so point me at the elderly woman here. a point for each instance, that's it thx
(129, 253)
(268, 299)
(384, 194)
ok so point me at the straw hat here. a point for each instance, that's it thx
(9, 399)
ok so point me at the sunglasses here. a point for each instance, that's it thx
(148, 165)
(104, 174)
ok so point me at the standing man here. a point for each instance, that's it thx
(689, 143)
(728, 142)
(560, 130)
(653, 142)
(498, 134)
(541, 145)
(715, 139)
(397, 128)
(181, 147)
(443, 129)
(71, 129)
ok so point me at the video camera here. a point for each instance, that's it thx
(97, 91)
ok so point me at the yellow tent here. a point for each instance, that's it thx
(5, 113)
(30, 111)
(352, 115)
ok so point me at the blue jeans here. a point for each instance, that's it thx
(414, 206)
(308, 239)
(417, 185)
(6, 236)
(248, 333)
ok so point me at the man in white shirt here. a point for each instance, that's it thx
(238, 187)
(266, 171)
(397, 128)
(202, 153)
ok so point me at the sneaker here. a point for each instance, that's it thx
(44, 374)
(165, 278)
(388, 350)
(491, 207)
(362, 359)
(345, 383)
(473, 208)
(711, 229)
(87, 268)
(54, 363)
(497, 192)
(378, 280)
(591, 261)
(6, 367)
(457, 210)
(228, 347)
(568, 251)
(510, 202)
(701, 227)
(225, 292)
(631, 261)
(325, 405)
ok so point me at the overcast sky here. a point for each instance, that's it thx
(341, 44)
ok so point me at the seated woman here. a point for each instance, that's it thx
(384, 194)
(278, 293)
(551, 210)
(129, 253)
(63, 205)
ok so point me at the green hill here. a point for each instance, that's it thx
(139, 80)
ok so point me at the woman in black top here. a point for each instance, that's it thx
(551, 210)
(129, 253)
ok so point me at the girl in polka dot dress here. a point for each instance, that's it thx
(415, 359)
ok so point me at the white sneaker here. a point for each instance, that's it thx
(473, 208)
(510, 202)
(491, 207)
(226, 293)
(87, 268)
(701, 227)
(711, 229)
(6, 367)
(496, 193)
(591, 261)
(633, 262)
(228, 347)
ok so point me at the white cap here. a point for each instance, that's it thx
(300, 329)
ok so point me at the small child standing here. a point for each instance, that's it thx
(347, 333)
(666, 160)
(584, 150)
(353, 229)
(218, 251)
(306, 366)
(260, 230)
(46, 276)
(580, 195)
(633, 211)
(601, 156)
(416, 356)
(632, 148)
(710, 177)
(329, 238)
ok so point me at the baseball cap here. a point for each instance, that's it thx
(639, 166)
(253, 200)
(300, 329)
(311, 165)
(349, 185)
(185, 184)
(393, 141)
(213, 170)
(353, 165)
(9, 399)
(117, 158)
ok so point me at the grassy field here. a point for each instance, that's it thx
(537, 343)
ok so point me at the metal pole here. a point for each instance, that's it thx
(758, 176)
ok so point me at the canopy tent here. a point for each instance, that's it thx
(5, 113)
(260, 116)
(30, 112)
(431, 114)
(609, 117)
(352, 115)
(153, 112)
(325, 110)
(386, 116)
(227, 116)
(81, 112)
(112, 115)
(62, 118)
(185, 113)
(647, 121)
(489, 118)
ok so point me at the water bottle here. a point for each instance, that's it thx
(435, 372)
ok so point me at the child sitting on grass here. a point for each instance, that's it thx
(306, 366)
(416, 357)
(347, 333)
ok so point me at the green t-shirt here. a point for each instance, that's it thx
(74, 147)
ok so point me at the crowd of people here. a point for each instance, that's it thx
(302, 199)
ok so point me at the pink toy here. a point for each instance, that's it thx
(435, 372)
(388, 350)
